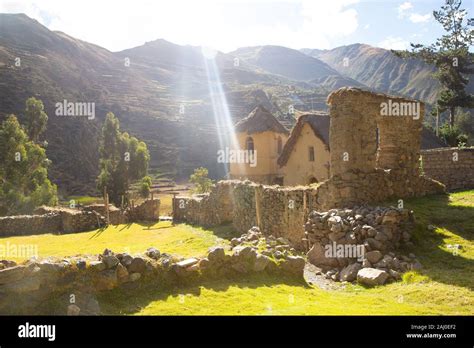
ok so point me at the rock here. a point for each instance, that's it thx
(366, 264)
(187, 263)
(81, 264)
(153, 253)
(374, 256)
(294, 265)
(107, 252)
(106, 280)
(126, 260)
(97, 265)
(372, 276)
(204, 264)
(261, 263)
(25, 285)
(110, 261)
(122, 273)
(12, 274)
(138, 265)
(349, 273)
(216, 255)
(416, 266)
(134, 277)
(316, 256)
(72, 309)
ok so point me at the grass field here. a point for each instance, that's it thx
(445, 285)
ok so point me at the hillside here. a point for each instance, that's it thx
(168, 94)
(381, 70)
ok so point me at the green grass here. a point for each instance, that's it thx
(84, 200)
(180, 239)
(444, 287)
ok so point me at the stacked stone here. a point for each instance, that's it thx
(453, 167)
(374, 232)
(30, 224)
(26, 286)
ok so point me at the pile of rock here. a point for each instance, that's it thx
(360, 243)
(266, 251)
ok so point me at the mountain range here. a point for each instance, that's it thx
(167, 94)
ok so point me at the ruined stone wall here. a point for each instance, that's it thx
(278, 211)
(30, 224)
(453, 167)
(374, 155)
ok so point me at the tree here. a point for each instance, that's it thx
(201, 180)
(24, 179)
(145, 186)
(36, 118)
(451, 57)
(123, 158)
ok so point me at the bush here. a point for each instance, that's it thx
(201, 180)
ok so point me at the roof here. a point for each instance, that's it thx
(319, 123)
(258, 121)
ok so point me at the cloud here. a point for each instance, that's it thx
(418, 18)
(403, 8)
(222, 24)
(394, 43)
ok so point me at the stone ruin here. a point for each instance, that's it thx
(374, 157)
(67, 220)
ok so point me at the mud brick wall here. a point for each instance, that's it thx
(453, 167)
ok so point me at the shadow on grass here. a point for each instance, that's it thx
(130, 301)
(440, 263)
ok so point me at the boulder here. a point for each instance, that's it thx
(97, 265)
(138, 265)
(261, 263)
(316, 256)
(374, 256)
(153, 253)
(372, 276)
(12, 274)
(349, 273)
(106, 280)
(294, 265)
(72, 309)
(216, 255)
(110, 261)
(122, 273)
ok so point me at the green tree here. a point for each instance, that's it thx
(451, 57)
(24, 181)
(123, 159)
(201, 180)
(35, 117)
(145, 186)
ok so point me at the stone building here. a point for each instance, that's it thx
(302, 157)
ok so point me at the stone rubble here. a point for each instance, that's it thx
(345, 243)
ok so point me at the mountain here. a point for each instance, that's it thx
(294, 65)
(382, 71)
(166, 95)
(175, 97)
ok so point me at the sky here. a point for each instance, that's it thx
(229, 24)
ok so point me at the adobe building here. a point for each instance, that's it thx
(261, 133)
(301, 157)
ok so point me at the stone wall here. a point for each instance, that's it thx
(374, 156)
(30, 224)
(65, 220)
(278, 211)
(24, 288)
(453, 167)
